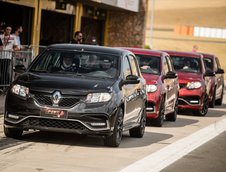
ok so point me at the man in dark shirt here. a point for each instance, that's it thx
(78, 38)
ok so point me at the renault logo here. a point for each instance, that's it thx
(56, 98)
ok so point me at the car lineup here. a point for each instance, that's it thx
(194, 81)
(162, 85)
(217, 82)
(104, 91)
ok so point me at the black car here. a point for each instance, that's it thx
(60, 94)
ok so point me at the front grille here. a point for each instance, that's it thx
(65, 102)
(43, 99)
(150, 107)
(58, 124)
(68, 102)
(189, 100)
(183, 85)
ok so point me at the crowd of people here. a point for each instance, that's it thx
(8, 42)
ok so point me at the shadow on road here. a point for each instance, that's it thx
(180, 122)
(87, 141)
(9, 142)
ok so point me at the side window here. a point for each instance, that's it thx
(133, 65)
(169, 61)
(126, 68)
(165, 65)
(217, 63)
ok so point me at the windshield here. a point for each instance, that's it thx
(77, 63)
(149, 64)
(186, 64)
(208, 63)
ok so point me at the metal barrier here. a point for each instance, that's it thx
(8, 60)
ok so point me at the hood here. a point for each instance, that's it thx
(185, 77)
(66, 84)
(151, 79)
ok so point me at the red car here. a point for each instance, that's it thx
(217, 82)
(162, 85)
(194, 81)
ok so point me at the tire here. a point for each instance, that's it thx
(220, 101)
(114, 140)
(173, 116)
(204, 110)
(13, 132)
(158, 122)
(139, 131)
(212, 103)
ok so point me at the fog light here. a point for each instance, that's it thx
(13, 116)
(98, 124)
(194, 101)
(150, 108)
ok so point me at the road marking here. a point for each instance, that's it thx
(171, 153)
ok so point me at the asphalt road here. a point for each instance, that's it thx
(211, 157)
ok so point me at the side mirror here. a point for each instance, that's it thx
(131, 79)
(209, 73)
(170, 74)
(220, 71)
(19, 69)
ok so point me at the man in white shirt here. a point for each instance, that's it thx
(9, 41)
(18, 31)
(8, 44)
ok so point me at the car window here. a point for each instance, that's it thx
(208, 63)
(169, 62)
(218, 63)
(165, 65)
(126, 68)
(133, 65)
(149, 64)
(84, 63)
(187, 64)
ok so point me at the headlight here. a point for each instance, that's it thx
(151, 88)
(20, 90)
(193, 85)
(98, 97)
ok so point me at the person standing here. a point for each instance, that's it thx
(9, 44)
(18, 31)
(195, 48)
(78, 38)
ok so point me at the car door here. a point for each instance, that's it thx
(170, 85)
(219, 78)
(131, 92)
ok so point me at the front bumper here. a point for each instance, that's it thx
(80, 118)
(191, 99)
(153, 104)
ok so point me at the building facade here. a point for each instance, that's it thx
(111, 22)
